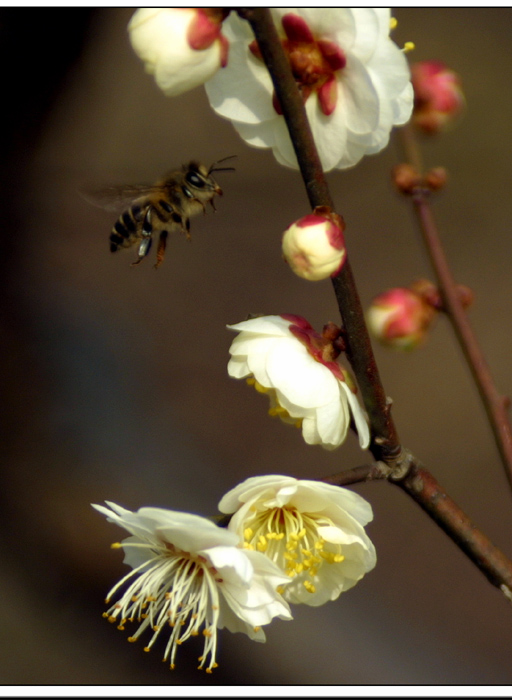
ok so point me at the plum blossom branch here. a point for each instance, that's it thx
(358, 350)
(495, 404)
(393, 462)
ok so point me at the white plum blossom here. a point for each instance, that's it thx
(191, 577)
(314, 246)
(285, 358)
(312, 530)
(354, 81)
(181, 47)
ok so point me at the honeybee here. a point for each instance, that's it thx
(161, 208)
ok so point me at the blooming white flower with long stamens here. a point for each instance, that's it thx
(312, 530)
(284, 357)
(191, 577)
(181, 47)
(354, 81)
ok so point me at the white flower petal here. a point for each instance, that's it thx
(374, 91)
(304, 387)
(313, 533)
(190, 573)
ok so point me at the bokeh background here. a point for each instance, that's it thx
(114, 378)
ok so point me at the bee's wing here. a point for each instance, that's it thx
(117, 197)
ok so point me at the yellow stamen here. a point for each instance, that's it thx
(409, 46)
(393, 23)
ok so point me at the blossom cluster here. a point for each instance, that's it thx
(353, 79)
(287, 541)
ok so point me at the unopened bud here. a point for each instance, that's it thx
(438, 96)
(314, 246)
(400, 318)
(435, 179)
(406, 178)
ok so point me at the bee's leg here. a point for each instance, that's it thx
(145, 244)
(162, 242)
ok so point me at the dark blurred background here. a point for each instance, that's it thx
(114, 378)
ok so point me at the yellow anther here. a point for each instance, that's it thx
(250, 381)
(309, 587)
(134, 639)
(409, 46)
(120, 627)
(248, 533)
(338, 558)
(150, 599)
(262, 539)
(393, 23)
(279, 536)
(319, 544)
(172, 666)
(256, 629)
(307, 552)
(280, 589)
(116, 545)
(207, 633)
(290, 556)
(260, 388)
(135, 598)
(271, 535)
(298, 424)
(208, 670)
(215, 665)
(299, 568)
(111, 618)
(302, 532)
(294, 536)
(262, 546)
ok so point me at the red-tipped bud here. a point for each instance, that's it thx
(400, 318)
(438, 96)
(314, 246)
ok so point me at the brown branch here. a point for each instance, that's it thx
(495, 404)
(386, 445)
(433, 499)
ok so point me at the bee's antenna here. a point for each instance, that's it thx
(217, 170)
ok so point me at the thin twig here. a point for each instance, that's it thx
(495, 404)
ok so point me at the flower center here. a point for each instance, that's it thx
(291, 539)
(275, 407)
(172, 589)
(314, 62)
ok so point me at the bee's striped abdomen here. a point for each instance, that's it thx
(126, 228)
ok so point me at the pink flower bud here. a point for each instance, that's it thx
(438, 96)
(400, 318)
(314, 246)
(181, 47)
